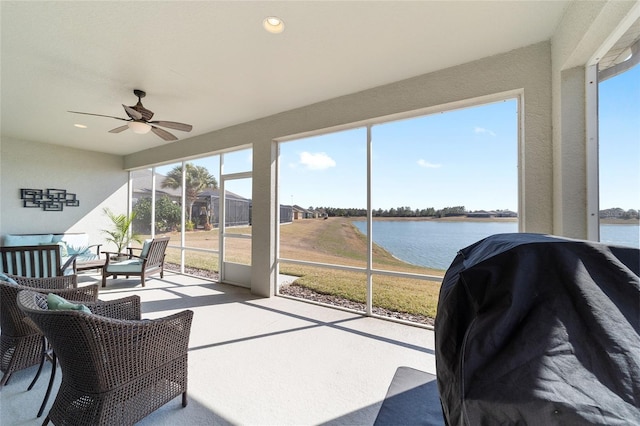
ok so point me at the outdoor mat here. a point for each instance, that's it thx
(412, 399)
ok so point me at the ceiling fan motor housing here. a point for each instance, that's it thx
(146, 114)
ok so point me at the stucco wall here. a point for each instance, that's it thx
(525, 71)
(97, 179)
(586, 32)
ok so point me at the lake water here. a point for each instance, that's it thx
(434, 244)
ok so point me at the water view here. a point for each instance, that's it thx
(625, 235)
(434, 244)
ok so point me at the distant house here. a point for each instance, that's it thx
(613, 213)
(238, 212)
(298, 212)
(141, 187)
(286, 214)
(482, 213)
(206, 209)
(302, 213)
(492, 213)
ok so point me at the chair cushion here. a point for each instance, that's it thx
(76, 244)
(27, 240)
(73, 249)
(129, 265)
(57, 303)
(69, 270)
(86, 256)
(7, 279)
(145, 248)
(72, 239)
(64, 252)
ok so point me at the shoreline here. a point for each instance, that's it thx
(620, 221)
(606, 221)
(437, 219)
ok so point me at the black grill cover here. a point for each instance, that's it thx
(540, 330)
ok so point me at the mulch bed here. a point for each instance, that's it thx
(295, 290)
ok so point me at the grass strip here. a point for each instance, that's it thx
(332, 241)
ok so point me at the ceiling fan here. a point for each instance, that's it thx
(138, 120)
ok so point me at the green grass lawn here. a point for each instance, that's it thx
(331, 241)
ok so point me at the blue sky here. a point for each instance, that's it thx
(465, 157)
(620, 141)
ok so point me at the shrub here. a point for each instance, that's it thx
(167, 215)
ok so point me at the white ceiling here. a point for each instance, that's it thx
(212, 65)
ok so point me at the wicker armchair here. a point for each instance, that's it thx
(116, 368)
(21, 344)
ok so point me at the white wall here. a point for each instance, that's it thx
(97, 179)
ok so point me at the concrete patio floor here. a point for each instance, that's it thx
(258, 361)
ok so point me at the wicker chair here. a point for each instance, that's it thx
(116, 368)
(21, 345)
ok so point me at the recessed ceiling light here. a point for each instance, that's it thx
(273, 24)
(80, 126)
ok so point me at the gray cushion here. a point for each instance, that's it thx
(412, 400)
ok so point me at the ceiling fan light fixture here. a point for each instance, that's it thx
(139, 121)
(273, 24)
(139, 127)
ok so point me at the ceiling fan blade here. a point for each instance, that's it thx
(163, 134)
(119, 129)
(132, 112)
(99, 115)
(173, 125)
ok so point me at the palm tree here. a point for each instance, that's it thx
(197, 179)
(120, 234)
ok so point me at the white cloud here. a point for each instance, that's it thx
(428, 165)
(316, 161)
(483, 130)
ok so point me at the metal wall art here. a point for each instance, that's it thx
(51, 200)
